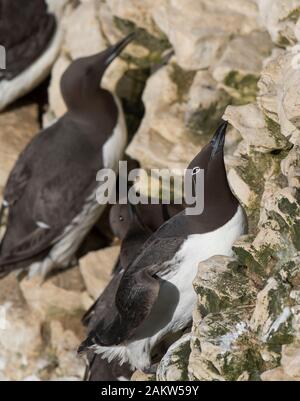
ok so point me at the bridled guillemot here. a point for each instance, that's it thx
(155, 295)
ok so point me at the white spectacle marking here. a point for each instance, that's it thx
(42, 225)
(5, 203)
(196, 170)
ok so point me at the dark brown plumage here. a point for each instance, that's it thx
(26, 29)
(56, 173)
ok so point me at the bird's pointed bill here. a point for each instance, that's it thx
(117, 49)
(218, 139)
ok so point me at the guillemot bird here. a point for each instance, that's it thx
(32, 38)
(133, 225)
(50, 196)
(155, 295)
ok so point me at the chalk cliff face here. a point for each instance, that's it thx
(194, 62)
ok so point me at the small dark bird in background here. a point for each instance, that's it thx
(32, 38)
(133, 225)
(154, 296)
(26, 28)
(50, 196)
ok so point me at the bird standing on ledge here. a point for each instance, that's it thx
(155, 295)
(50, 196)
(133, 225)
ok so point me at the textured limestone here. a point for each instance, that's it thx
(57, 297)
(278, 96)
(280, 18)
(211, 24)
(83, 39)
(136, 11)
(206, 103)
(64, 344)
(96, 269)
(159, 141)
(240, 66)
(253, 127)
(173, 366)
(55, 98)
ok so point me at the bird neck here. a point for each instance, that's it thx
(99, 109)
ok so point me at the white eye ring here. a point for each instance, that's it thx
(196, 170)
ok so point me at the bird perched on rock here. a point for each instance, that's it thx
(155, 296)
(133, 225)
(32, 38)
(50, 196)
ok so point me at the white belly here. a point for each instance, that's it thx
(177, 297)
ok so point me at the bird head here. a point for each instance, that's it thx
(120, 219)
(211, 159)
(82, 79)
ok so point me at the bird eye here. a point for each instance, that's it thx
(121, 218)
(196, 170)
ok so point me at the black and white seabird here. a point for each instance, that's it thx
(50, 195)
(32, 38)
(133, 225)
(155, 295)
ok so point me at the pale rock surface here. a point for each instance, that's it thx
(136, 11)
(211, 24)
(56, 297)
(241, 189)
(278, 95)
(20, 332)
(17, 128)
(240, 66)
(64, 344)
(205, 103)
(55, 98)
(96, 269)
(83, 35)
(280, 17)
(139, 376)
(163, 135)
(253, 127)
(171, 367)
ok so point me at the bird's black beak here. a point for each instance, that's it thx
(218, 139)
(117, 49)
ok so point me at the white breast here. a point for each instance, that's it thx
(114, 147)
(197, 248)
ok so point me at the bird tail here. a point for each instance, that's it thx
(27, 251)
